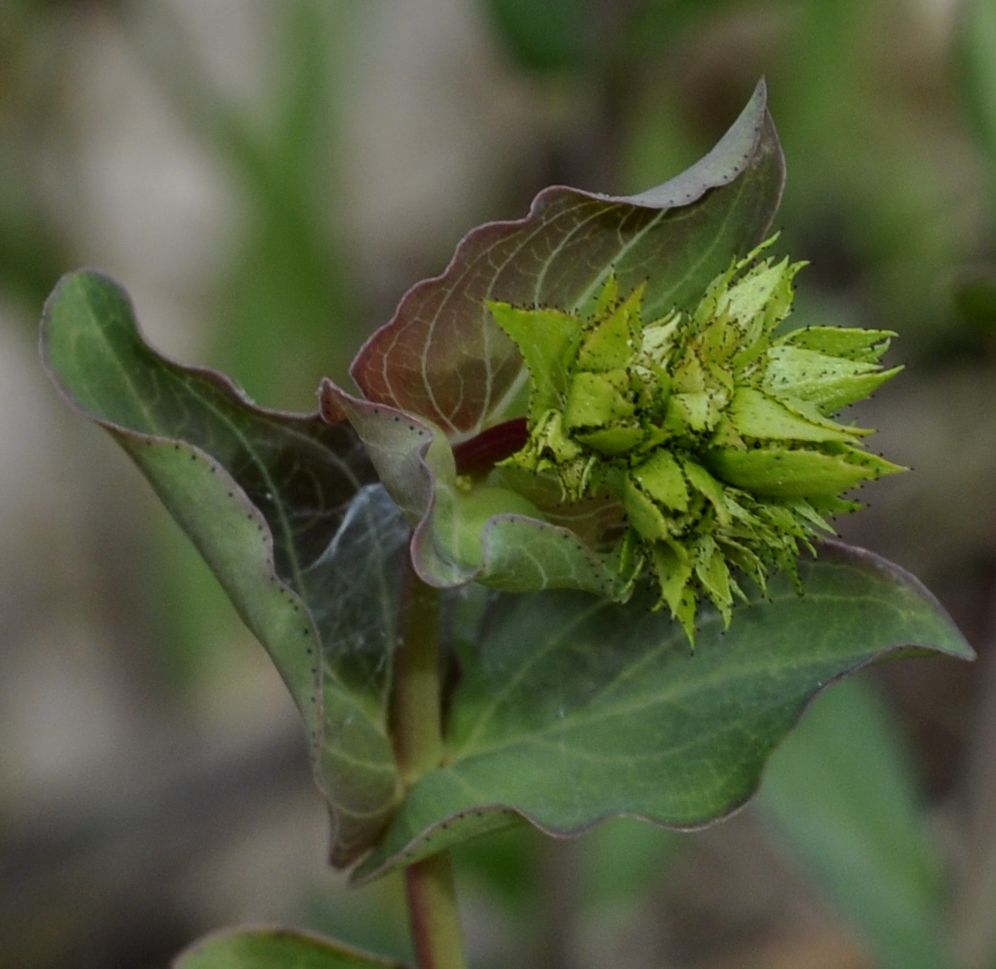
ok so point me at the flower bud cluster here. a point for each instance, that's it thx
(713, 429)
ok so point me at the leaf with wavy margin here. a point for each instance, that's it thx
(443, 357)
(284, 510)
(572, 710)
(491, 534)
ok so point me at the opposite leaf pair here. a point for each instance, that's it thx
(571, 707)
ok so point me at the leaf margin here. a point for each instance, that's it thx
(403, 845)
(751, 139)
(275, 612)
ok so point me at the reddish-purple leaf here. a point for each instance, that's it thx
(444, 358)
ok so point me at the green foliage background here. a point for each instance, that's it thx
(298, 197)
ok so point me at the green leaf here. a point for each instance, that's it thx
(797, 473)
(572, 710)
(841, 793)
(862, 346)
(275, 949)
(543, 338)
(756, 415)
(829, 383)
(283, 508)
(444, 358)
(486, 533)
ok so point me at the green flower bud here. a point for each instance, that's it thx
(711, 429)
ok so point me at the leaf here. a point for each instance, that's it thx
(272, 948)
(797, 473)
(756, 415)
(276, 503)
(829, 383)
(842, 795)
(488, 534)
(444, 358)
(571, 710)
(542, 337)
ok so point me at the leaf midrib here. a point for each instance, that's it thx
(465, 748)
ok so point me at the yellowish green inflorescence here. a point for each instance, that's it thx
(714, 433)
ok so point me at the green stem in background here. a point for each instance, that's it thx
(418, 746)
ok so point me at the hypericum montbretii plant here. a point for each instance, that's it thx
(595, 437)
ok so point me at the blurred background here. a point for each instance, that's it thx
(267, 179)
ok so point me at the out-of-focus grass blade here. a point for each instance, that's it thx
(841, 794)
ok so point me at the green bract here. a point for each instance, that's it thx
(714, 433)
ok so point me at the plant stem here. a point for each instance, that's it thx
(433, 914)
(418, 747)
